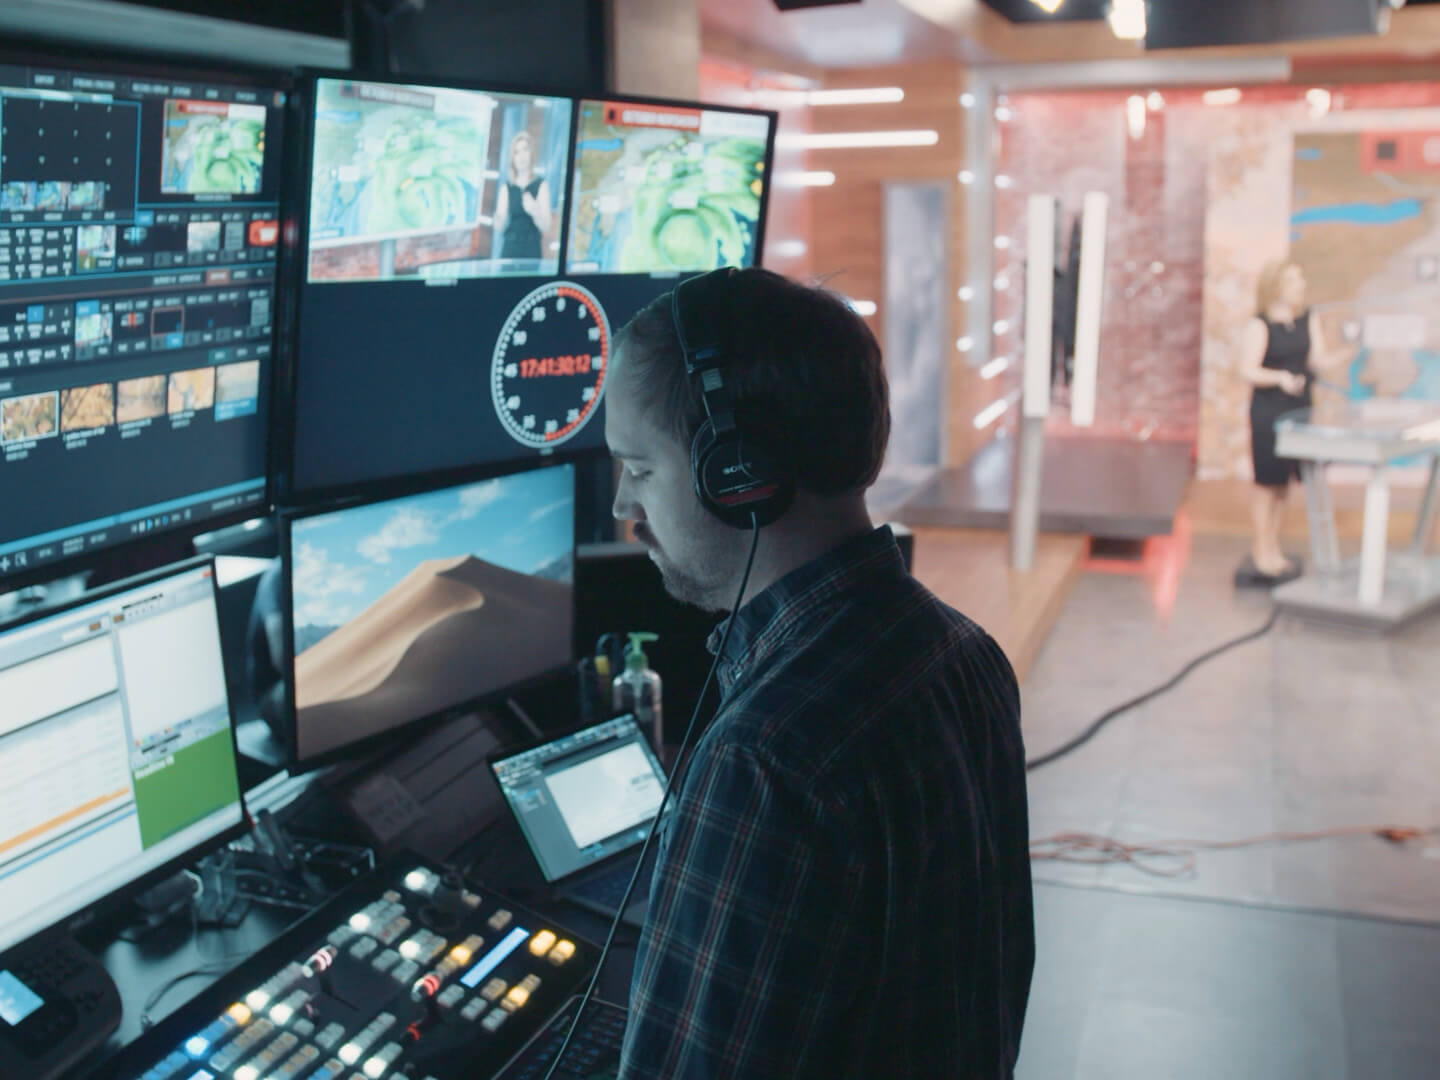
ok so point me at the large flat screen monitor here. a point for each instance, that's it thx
(442, 323)
(408, 607)
(117, 757)
(138, 239)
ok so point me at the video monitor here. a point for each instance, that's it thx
(139, 209)
(436, 328)
(434, 183)
(405, 608)
(667, 188)
(115, 744)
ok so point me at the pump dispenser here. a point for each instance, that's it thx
(637, 690)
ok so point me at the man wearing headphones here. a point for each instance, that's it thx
(843, 888)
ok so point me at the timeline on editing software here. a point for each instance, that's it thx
(138, 238)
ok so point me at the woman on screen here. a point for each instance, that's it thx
(522, 208)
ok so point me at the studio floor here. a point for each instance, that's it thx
(1305, 959)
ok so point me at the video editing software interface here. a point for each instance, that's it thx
(584, 796)
(138, 235)
(116, 754)
(469, 256)
(404, 608)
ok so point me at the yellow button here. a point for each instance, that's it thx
(563, 950)
(541, 942)
(517, 996)
(239, 1012)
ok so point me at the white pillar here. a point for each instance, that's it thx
(1089, 308)
(1039, 306)
(1375, 537)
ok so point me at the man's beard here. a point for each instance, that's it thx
(687, 589)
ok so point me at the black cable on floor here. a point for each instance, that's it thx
(1090, 732)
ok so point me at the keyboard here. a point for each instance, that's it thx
(405, 974)
(593, 1054)
(608, 889)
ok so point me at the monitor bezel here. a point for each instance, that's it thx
(166, 541)
(297, 164)
(85, 912)
(422, 484)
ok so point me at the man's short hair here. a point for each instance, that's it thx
(804, 372)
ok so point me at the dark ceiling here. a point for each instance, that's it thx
(1072, 10)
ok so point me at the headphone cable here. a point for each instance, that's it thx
(664, 798)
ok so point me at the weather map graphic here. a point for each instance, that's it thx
(663, 189)
(393, 161)
(1365, 224)
(212, 148)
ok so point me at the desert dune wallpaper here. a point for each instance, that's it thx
(407, 607)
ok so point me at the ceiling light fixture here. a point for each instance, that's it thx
(1049, 7)
(848, 140)
(786, 249)
(859, 95)
(994, 367)
(863, 308)
(1127, 19)
(1229, 96)
(797, 179)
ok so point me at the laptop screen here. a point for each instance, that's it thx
(583, 797)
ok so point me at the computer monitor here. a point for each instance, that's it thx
(668, 188)
(116, 746)
(138, 237)
(434, 329)
(404, 608)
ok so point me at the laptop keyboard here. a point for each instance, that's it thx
(608, 888)
(593, 1054)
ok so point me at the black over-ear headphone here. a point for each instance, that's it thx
(735, 476)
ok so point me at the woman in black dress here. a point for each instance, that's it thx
(522, 206)
(1279, 348)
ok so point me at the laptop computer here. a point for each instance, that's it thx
(585, 801)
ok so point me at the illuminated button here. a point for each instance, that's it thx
(360, 922)
(257, 1000)
(492, 990)
(466, 949)
(410, 949)
(247, 1072)
(239, 1012)
(350, 1053)
(541, 942)
(416, 880)
(563, 950)
(382, 1060)
(196, 1046)
(472, 1011)
(517, 996)
(493, 1021)
(500, 919)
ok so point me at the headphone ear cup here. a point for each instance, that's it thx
(735, 480)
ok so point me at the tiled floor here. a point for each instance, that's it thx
(1306, 960)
